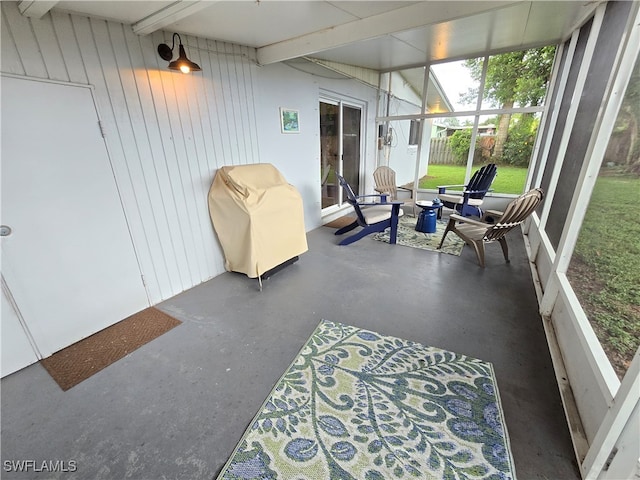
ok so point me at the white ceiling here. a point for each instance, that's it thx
(381, 35)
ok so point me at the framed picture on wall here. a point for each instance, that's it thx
(289, 120)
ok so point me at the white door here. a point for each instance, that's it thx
(17, 351)
(74, 269)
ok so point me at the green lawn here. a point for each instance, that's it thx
(508, 180)
(605, 267)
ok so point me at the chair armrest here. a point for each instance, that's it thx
(383, 200)
(495, 213)
(443, 188)
(372, 195)
(460, 218)
(372, 204)
(478, 191)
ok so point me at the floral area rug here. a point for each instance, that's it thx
(409, 237)
(355, 404)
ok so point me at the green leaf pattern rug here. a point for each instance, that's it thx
(358, 405)
(409, 237)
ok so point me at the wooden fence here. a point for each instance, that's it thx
(441, 153)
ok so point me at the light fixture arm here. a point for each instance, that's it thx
(165, 52)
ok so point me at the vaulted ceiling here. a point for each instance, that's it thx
(380, 35)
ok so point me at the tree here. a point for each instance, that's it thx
(626, 132)
(515, 77)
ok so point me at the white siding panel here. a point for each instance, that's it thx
(101, 69)
(201, 161)
(10, 58)
(159, 137)
(219, 99)
(187, 156)
(227, 111)
(196, 160)
(207, 109)
(250, 87)
(166, 87)
(22, 33)
(243, 111)
(203, 117)
(161, 215)
(232, 103)
(139, 160)
(50, 50)
(69, 47)
(178, 142)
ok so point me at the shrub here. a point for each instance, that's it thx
(460, 142)
(518, 148)
(519, 145)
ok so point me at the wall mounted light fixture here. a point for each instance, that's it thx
(182, 63)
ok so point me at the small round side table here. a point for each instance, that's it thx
(427, 217)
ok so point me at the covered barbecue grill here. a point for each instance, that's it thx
(258, 218)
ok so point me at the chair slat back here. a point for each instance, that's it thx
(481, 180)
(385, 178)
(352, 198)
(516, 212)
(385, 174)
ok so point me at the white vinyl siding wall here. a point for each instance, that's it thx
(166, 132)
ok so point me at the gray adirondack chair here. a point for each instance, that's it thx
(478, 232)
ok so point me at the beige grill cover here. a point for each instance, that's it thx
(258, 217)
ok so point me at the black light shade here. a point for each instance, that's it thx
(182, 64)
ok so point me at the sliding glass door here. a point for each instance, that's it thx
(340, 149)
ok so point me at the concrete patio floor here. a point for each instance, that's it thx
(175, 408)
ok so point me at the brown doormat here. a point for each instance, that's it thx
(340, 222)
(79, 361)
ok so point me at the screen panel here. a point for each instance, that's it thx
(600, 70)
(574, 67)
(546, 128)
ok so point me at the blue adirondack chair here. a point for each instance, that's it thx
(372, 217)
(467, 202)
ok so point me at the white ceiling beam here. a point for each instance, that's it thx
(170, 14)
(407, 18)
(35, 9)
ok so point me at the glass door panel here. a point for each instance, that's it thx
(329, 149)
(351, 146)
(340, 147)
